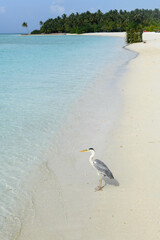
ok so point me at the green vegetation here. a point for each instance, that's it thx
(40, 23)
(24, 24)
(112, 21)
(134, 36)
(36, 32)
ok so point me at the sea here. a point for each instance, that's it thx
(41, 80)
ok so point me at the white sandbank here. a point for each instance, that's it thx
(67, 207)
(146, 35)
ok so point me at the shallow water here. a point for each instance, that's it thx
(41, 79)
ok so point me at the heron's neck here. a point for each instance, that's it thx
(91, 157)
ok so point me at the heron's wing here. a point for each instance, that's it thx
(102, 168)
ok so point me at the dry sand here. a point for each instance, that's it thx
(68, 208)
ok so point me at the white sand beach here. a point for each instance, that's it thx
(67, 207)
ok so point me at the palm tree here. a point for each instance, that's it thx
(24, 24)
(40, 23)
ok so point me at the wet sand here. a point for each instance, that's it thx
(65, 205)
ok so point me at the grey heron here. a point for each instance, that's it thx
(101, 168)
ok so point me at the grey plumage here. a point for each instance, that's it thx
(102, 168)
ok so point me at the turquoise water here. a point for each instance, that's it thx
(41, 77)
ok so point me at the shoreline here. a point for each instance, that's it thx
(147, 36)
(126, 212)
(107, 34)
(86, 126)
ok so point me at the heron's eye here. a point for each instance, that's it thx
(91, 149)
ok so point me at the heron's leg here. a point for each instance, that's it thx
(100, 182)
(99, 188)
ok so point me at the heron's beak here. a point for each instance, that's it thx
(84, 150)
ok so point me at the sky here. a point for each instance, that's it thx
(14, 12)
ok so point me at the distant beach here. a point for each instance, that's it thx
(107, 34)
